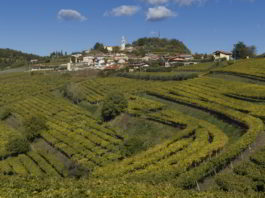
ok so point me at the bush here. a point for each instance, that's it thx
(158, 69)
(161, 76)
(231, 183)
(73, 92)
(17, 145)
(133, 146)
(4, 113)
(33, 127)
(114, 104)
(230, 62)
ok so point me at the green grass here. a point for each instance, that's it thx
(93, 109)
(231, 77)
(141, 134)
(232, 131)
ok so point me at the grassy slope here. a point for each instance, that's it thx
(149, 134)
(233, 132)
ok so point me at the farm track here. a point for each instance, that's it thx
(254, 147)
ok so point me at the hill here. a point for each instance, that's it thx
(196, 137)
(161, 45)
(14, 58)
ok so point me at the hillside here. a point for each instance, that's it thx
(161, 45)
(186, 137)
(13, 58)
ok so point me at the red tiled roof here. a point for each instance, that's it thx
(112, 67)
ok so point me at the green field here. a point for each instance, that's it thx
(194, 137)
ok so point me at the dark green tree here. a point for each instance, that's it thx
(73, 92)
(33, 127)
(114, 104)
(100, 47)
(4, 113)
(241, 50)
(17, 145)
(161, 45)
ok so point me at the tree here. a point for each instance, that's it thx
(100, 47)
(161, 45)
(33, 127)
(73, 92)
(114, 104)
(17, 145)
(241, 50)
(4, 113)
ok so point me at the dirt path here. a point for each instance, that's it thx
(256, 146)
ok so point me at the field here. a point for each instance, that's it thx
(192, 137)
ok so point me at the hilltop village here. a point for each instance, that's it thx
(138, 56)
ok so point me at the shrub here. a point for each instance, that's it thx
(161, 76)
(4, 113)
(158, 69)
(73, 92)
(33, 127)
(133, 146)
(114, 104)
(17, 145)
(230, 62)
(229, 182)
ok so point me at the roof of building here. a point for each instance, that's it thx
(185, 56)
(222, 52)
(113, 67)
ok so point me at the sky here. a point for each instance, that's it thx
(44, 26)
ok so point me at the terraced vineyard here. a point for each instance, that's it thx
(216, 150)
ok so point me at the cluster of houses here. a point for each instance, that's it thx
(121, 60)
(115, 61)
(99, 61)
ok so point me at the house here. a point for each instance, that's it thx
(121, 61)
(180, 58)
(76, 58)
(40, 67)
(150, 57)
(121, 57)
(219, 55)
(34, 61)
(185, 57)
(88, 59)
(109, 48)
(113, 67)
(129, 49)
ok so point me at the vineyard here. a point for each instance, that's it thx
(211, 142)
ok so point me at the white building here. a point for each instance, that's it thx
(109, 48)
(34, 61)
(218, 55)
(88, 59)
(76, 56)
(123, 43)
(129, 49)
(69, 67)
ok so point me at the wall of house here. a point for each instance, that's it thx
(221, 56)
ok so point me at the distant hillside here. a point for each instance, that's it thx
(161, 45)
(14, 58)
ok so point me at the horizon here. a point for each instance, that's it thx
(204, 26)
